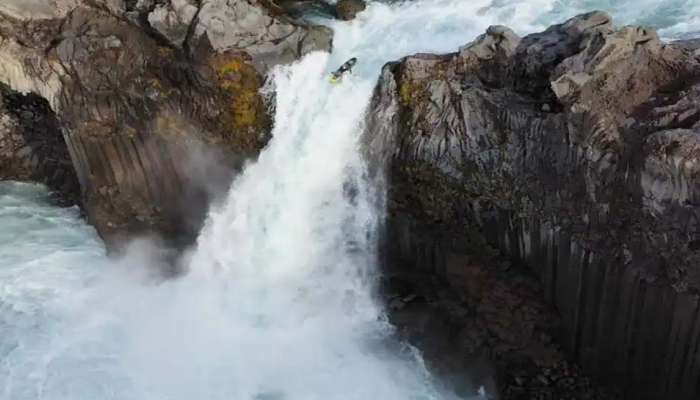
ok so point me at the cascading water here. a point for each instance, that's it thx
(276, 301)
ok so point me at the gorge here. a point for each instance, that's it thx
(521, 211)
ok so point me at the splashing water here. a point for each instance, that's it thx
(276, 303)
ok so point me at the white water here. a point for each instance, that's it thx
(277, 300)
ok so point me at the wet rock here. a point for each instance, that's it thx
(497, 41)
(396, 304)
(489, 329)
(573, 150)
(348, 9)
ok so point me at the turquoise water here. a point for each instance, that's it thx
(276, 303)
(674, 19)
(47, 254)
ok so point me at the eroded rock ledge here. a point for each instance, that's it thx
(158, 100)
(574, 150)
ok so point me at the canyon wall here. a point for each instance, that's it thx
(574, 151)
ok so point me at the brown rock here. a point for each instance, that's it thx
(348, 9)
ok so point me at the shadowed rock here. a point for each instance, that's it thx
(32, 146)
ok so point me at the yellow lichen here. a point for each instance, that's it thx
(157, 86)
(410, 92)
(240, 82)
(414, 83)
(97, 128)
(130, 132)
(166, 52)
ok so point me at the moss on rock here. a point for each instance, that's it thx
(239, 83)
(411, 92)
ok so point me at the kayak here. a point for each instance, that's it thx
(337, 76)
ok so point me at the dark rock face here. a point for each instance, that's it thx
(575, 151)
(348, 9)
(159, 103)
(491, 328)
(32, 146)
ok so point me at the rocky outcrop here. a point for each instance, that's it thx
(173, 20)
(158, 103)
(279, 40)
(32, 146)
(348, 9)
(260, 28)
(574, 150)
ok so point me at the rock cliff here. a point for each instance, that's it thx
(158, 100)
(575, 151)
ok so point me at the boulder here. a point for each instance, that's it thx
(173, 19)
(574, 151)
(248, 26)
(348, 9)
